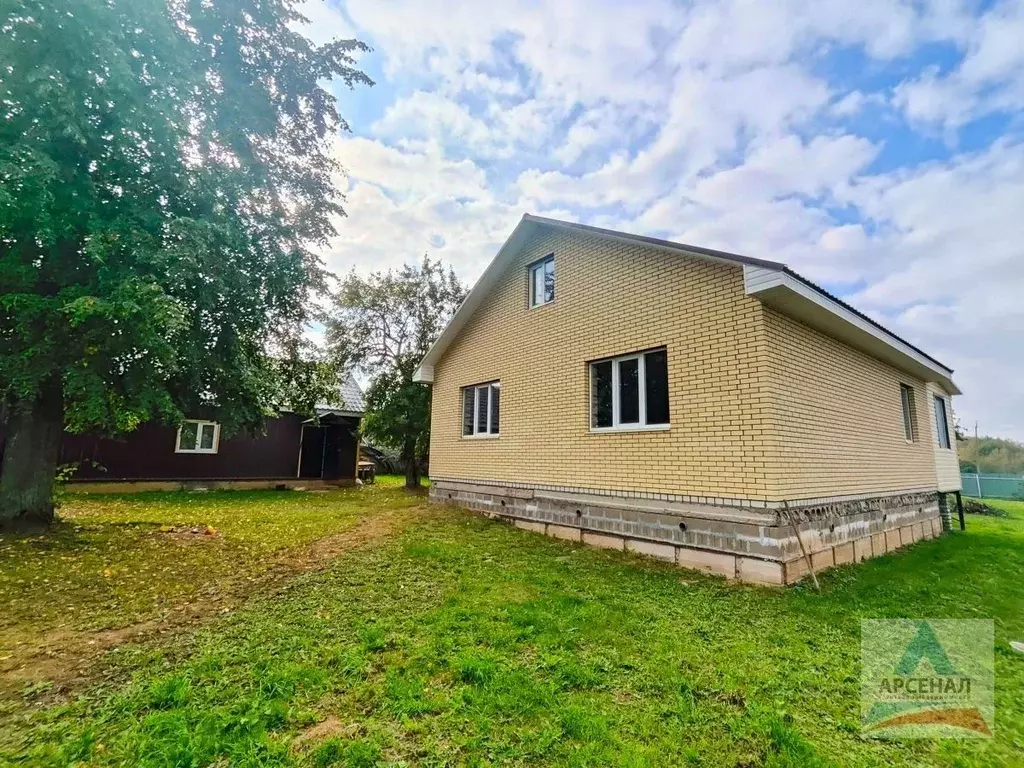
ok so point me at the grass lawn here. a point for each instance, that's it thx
(443, 638)
(121, 566)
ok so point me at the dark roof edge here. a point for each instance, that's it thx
(710, 252)
(727, 256)
(862, 316)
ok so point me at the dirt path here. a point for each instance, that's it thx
(66, 660)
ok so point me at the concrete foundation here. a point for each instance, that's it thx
(757, 544)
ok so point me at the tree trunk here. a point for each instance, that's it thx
(29, 468)
(412, 467)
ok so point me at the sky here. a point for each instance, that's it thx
(875, 146)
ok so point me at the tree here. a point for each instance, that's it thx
(993, 455)
(165, 174)
(384, 324)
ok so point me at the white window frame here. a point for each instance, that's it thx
(199, 436)
(617, 426)
(476, 388)
(907, 405)
(535, 267)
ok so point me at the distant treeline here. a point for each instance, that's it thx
(995, 455)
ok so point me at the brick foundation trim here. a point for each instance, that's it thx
(753, 545)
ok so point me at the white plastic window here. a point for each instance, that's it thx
(198, 437)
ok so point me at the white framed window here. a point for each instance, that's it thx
(542, 281)
(198, 437)
(481, 410)
(909, 416)
(941, 422)
(630, 392)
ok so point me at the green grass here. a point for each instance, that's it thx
(115, 560)
(461, 641)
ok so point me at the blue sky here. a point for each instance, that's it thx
(876, 146)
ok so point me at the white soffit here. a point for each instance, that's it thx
(794, 297)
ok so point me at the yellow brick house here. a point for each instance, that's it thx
(714, 410)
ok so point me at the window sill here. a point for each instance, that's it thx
(180, 450)
(481, 437)
(541, 306)
(633, 428)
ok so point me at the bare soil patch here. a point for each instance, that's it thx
(326, 729)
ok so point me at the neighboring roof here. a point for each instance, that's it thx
(352, 394)
(771, 281)
(351, 402)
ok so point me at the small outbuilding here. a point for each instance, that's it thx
(293, 450)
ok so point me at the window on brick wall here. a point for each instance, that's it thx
(630, 392)
(481, 410)
(942, 422)
(542, 281)
(909, 412)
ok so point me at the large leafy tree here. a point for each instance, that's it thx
(165, 171)
(384, 324)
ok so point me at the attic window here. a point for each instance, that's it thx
(542, 281)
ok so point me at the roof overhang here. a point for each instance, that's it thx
(791, 295)
(520, 235)
(332, 414)
(526, 228)
(771, 282)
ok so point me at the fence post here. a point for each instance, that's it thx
(977, 479)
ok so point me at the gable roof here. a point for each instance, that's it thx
(352, 394)
(352, 402)
(772, 282)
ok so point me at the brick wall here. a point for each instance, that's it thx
(837, 419)
(611, 299)
(762, 407)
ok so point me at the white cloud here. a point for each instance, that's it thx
(422, 115)
(950, 262)
(574, 50)
(990, 78)
(707, 120)
(404, 203)
(324, 22)
(854, 102)
(726, 124)
(708, 116)
(946, 227)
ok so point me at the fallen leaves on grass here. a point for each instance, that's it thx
(64, 614)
